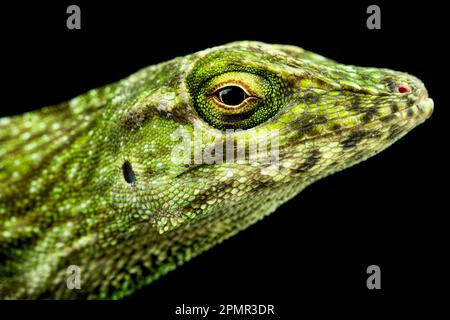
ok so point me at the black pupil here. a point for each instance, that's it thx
(232, 95)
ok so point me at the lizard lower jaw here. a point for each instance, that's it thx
(426, 107)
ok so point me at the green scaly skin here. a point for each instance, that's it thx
(92, 182)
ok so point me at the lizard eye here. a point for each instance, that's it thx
(231, 95)
(235, 100)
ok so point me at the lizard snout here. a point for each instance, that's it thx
(426, 107)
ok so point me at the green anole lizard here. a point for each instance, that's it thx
(94, 182)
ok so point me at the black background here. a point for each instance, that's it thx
(313, 252)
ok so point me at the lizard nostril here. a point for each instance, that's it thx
(402, 88)
(128, 172)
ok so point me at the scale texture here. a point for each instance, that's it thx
(103, 182)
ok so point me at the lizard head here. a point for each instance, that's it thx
(133, 179)
(251, 123)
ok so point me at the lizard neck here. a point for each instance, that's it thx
(39, 147)
(48, 163)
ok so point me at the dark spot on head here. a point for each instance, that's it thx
(387, 118)
(354, 138)
(369, 114)
(372, 110)
(310, 97)
(391, 84)
(394, 108)
(355, 104)
(320, 119)
(412, 99)
(310, 162)
(128, 172)
(410, 113)
(295, 132)
(312, 131)
(366, 118)
(133, 119)
(302, 123)
(336, 126)
(149, 171)
(180, 114)
(307, 121)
